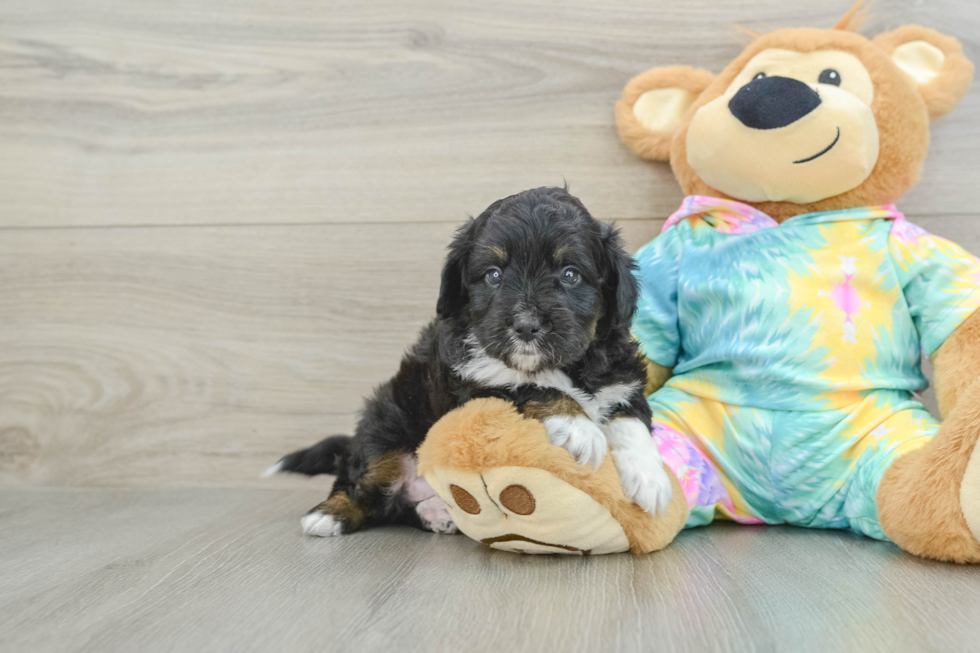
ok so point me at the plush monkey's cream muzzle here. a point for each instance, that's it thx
(827, 152)
(794, 127)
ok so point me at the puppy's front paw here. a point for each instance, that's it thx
(640, 467)
(579, 436)
(435, 516)
(644, 481)
(320, 524)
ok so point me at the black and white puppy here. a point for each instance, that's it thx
(535, 307)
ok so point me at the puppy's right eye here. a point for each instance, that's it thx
(494, 276)
(570, 276)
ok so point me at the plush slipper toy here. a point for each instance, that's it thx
(783, 310)
(509, 488)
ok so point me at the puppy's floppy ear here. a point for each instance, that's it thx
(620, 288)
(453, 296)
(653, 104)
(934, 62)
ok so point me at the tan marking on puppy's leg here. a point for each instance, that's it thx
(381, 473)
(344, 509)
(335, 516)
(342, 514)
(383, 476)
(565, 406)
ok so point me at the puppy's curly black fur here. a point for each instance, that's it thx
(533, 285)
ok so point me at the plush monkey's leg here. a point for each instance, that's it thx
(929, 499)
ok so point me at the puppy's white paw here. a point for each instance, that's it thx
(640, 467)
(435, 516)
(644, 481)
(320, 524)
(579, 436)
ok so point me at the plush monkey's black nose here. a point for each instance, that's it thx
(527, 327)
(772, 102)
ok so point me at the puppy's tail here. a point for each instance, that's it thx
(322, 458)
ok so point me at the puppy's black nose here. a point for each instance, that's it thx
(772, 102)
(527, 327)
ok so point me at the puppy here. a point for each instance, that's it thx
(535, 307)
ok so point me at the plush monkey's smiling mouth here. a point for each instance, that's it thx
(823, 151)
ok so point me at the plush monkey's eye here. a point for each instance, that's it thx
(570, 276)
(829, 76)
(758, 76)
(494, 276)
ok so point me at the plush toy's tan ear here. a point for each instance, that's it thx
(934, 61)
(653, 104)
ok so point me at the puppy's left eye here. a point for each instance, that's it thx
(829, 76)
(494, 276)
(570, 276)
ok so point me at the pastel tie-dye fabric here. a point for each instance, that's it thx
(807, 334)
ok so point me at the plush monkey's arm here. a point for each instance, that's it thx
(957, 363)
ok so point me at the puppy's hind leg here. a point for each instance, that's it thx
(428, 511)
(389, 491)
(360, 497)
(337, 515)
(372, 477)
(340, 513)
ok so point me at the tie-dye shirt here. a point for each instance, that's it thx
(799, 316)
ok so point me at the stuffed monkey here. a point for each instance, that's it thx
(785, 304)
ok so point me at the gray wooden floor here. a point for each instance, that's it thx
(228, 570)
(222, 221)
